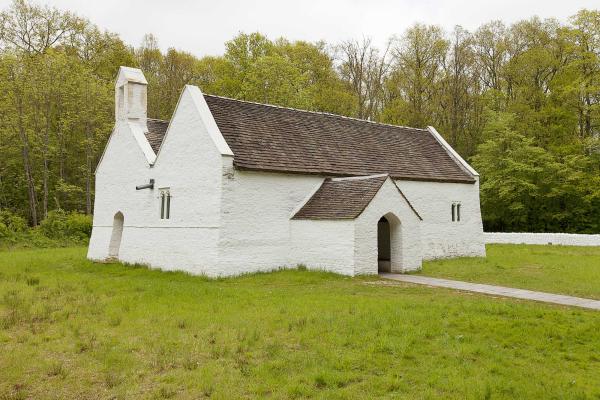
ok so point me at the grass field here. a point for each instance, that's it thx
(71, 329)
(556, 269)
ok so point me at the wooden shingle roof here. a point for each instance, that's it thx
(271, 138)
(341, 198)
(156, 132)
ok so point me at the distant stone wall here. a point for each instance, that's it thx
(565, 239)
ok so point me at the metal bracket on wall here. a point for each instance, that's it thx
(146, 186)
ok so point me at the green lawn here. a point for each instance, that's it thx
(71, 329)
(556, 269)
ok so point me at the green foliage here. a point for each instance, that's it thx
(521, 101)
(55, 224)
(11, 226)
(512, 170)
(56, 107)
(524, 185)
(5, 233)
(253, 68)
(59, 229)
(13, 223)
(60, 225)
(79, 225)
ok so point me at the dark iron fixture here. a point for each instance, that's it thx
(146, 186)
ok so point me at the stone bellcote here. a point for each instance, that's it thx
(131, 96)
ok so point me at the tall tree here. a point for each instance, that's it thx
(415, 81)
(364, 69)
(33, 29)
(587, 39)
(460, 114)
(491, 47)
(521, 101)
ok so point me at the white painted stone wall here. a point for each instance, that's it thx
(255, 232)
(405, 233)
(122, 167)
(324, 245)
(440, 236)
(564, 239)
(190, 164)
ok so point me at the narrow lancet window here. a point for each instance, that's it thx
(165, 204)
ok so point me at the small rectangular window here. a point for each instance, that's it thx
(165, 203)
(168, 205)
(456, 212)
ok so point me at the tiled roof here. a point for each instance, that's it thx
(341, 198)
(345, 198)
(156, 132)
(271, 138)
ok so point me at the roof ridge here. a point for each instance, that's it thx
(358, 178)
(328, 114)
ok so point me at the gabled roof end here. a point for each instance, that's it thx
(129, 74)
(465, 165)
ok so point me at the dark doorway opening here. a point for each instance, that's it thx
(384, 254)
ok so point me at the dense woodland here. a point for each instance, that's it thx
(520, 102)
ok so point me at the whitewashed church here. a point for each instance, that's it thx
(229, 187)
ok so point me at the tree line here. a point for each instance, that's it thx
(521, 102)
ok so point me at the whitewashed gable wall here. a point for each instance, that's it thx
(388, 200)
(123, 166)
(190, 164)
(440, 236)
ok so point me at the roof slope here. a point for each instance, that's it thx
(156, 132)
(341, 198)
(271, 138)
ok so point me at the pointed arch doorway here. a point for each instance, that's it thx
(384, 240)
(115, 237)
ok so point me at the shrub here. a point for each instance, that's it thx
(55, 224)
(79, 225)
(58, 229)
(5, 233)
(62, 225)
(12, 227)
(36, 239)
(12, 222)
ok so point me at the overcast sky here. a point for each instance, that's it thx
(201, 27)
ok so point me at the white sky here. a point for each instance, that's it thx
(201, 27)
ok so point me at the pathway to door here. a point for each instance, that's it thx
(496, 290)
